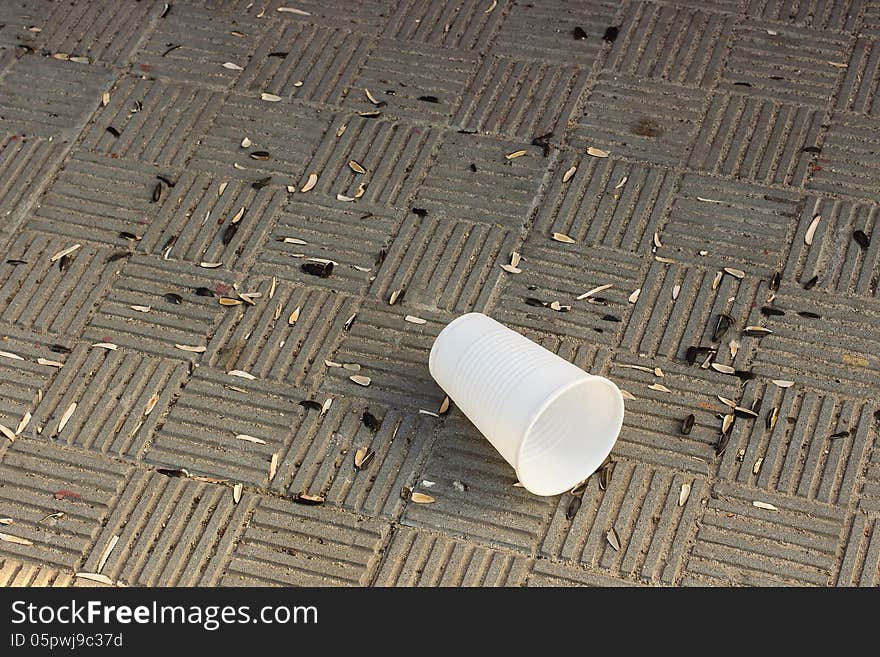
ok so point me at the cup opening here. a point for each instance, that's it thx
(570, 436)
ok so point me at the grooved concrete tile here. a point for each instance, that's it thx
(213, 408)
(861, 562)
(416, 81)
(500, 191)
(484, 506)
(344, 233)
(16, 573)
(814, 451)
(545, 30)
(262, 341)
(742, 545)
(418, 558)
(756, 139)
(639, 119)
(793, 64)
(367, 16)
(641, 504)
(48, 97)
(171, 532)
(675, 44)
(847, 166)
(521, 100)
(121, 397)
(288, 131)
(393, 353)
(547, 573)
(17, 17)
(102, 30)
(158, 122)
(739, 225)
(97, 198)
(870, 23)
(287, 544)
(144, 281)
(38, 295)
(869, 497)
(393, 154)
(192, 45)
(606, 201)
(33, 474)
(837, 352)
(859, 91)
(460, 24)
(26, 165)
(307, 62)
(841, 263)
(825, 14)
(448, 265)
(557, 272)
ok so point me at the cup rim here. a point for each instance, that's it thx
(618, 425)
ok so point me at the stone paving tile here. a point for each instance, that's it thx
(175, 384)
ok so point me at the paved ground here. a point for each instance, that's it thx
(740, 134)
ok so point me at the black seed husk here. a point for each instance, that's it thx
(839, 434)
(322, 270)
(810, 284)
(605, 473)
(745, 413)
(380, 257)
(157, 192)
(421, 212)
(59, 349)
(262, 182)
(473, 167)
(756, 405)
(688, 424)
(16, 262)
(768, 420)
(429, 99)
(172, 472)
(579, 34)
(809, 314)
(611, 33)
(721, 445)
(371, 422)
(64, 262)
(770, 311)
(172, 297)
(744, 375)
(368, 458)
(755, 334)
(532, 301)
(721, 325)
(742, 84)
(282, 55)
(229, 233)
(129, 236)
(774, 282)
(260, 155)
(310, 404)
(861, 239)
(119, 255)
(204, 292)
(173, 47)
(610, 318)
(299, 499)
(166, 180)
(811, 149)
(113, 131)
(573, 506)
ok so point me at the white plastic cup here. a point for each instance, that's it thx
(553, 422)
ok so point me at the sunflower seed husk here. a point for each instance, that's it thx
(6, 521)
(326, 406)
(721, 445)
(724, 369)
(396, 295)
(657, 242)
(659, 387)
(516, 154)
(193, 349)
(291, 320)
(562, 237)
(65, 252)
(271, 98)
(597, 152)
(308, 500)
(151, 404)
(373, 99)
(684, 494)
(861, 239)
(688, 424)
(811, 230)
(232, 66)
(348, 323)
(722, 324)
(558, 307)
(573, 505)
(511, 269)
(273, 467)
(605, 473)
(810, 284)
(141, 309)
(764, 505)
(676, 290)
(423, 411)
(727, 422)
(229, 301)
(595, 290)
(9, 433)
(241, 374)
(717, 280)
(361, 380)
(772, 417)
(568, 174)
(726, 401)
(635, 295)
(111, 544)
(415, 320)
(363, 457)
(210, 265)
(756, 468)
(736, 273)
(250, 439)
(22, 425)
(14, 539)
(613, 539)
(321, 270)
(782, 383)
(743, 412)
(369, 115)
(627, 395)
(66, 417)
(7, 354)
(421, 498)
(756, 331)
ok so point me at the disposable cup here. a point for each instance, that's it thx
(553, 422)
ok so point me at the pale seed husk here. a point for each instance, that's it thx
(782, 383)
(250, 439)
(657, 242)
(423, 411)
(105, 99)
(516, 154)
(772, 418)
(14, 539)
(734, 348)
(511, 269)
(246, 143)
(568, 174)
(757, 331)
(811, 230)
(371, 97)
(50, 363)
(326, 406)
(232, 66)
(765, 505)
(65, 252)
(210, 265)
(273, 467)
(415, 320)
(330, 363)
(717, 280)
(229, 301)
(141, 309)
(597, 152)
(676, 289)
(66, 417)
(6, 431)
(95, 577)
(22, 425)
(444, 406)
(395, 295)
(191, 348)
(421, 498)
(627, 395)
(726, 401)
(238, 215)
(361, 380)
(595, 290)
(344, 198)
(6, 521)
(736, 273)
(355, 166)
(341, 130)
(635, 295)
(111, 544)
(222, 188)
(109, 346)
(292, 10)
(562, 237)
(270, 98)
(236, 493)
(7, 354)
(310, 183)
(757, 467)
(659, 387)
(151, 404)
(724, 369)
(683, 494)
(291, 320)
(613, 539)
(622, 182)
(242, 374)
